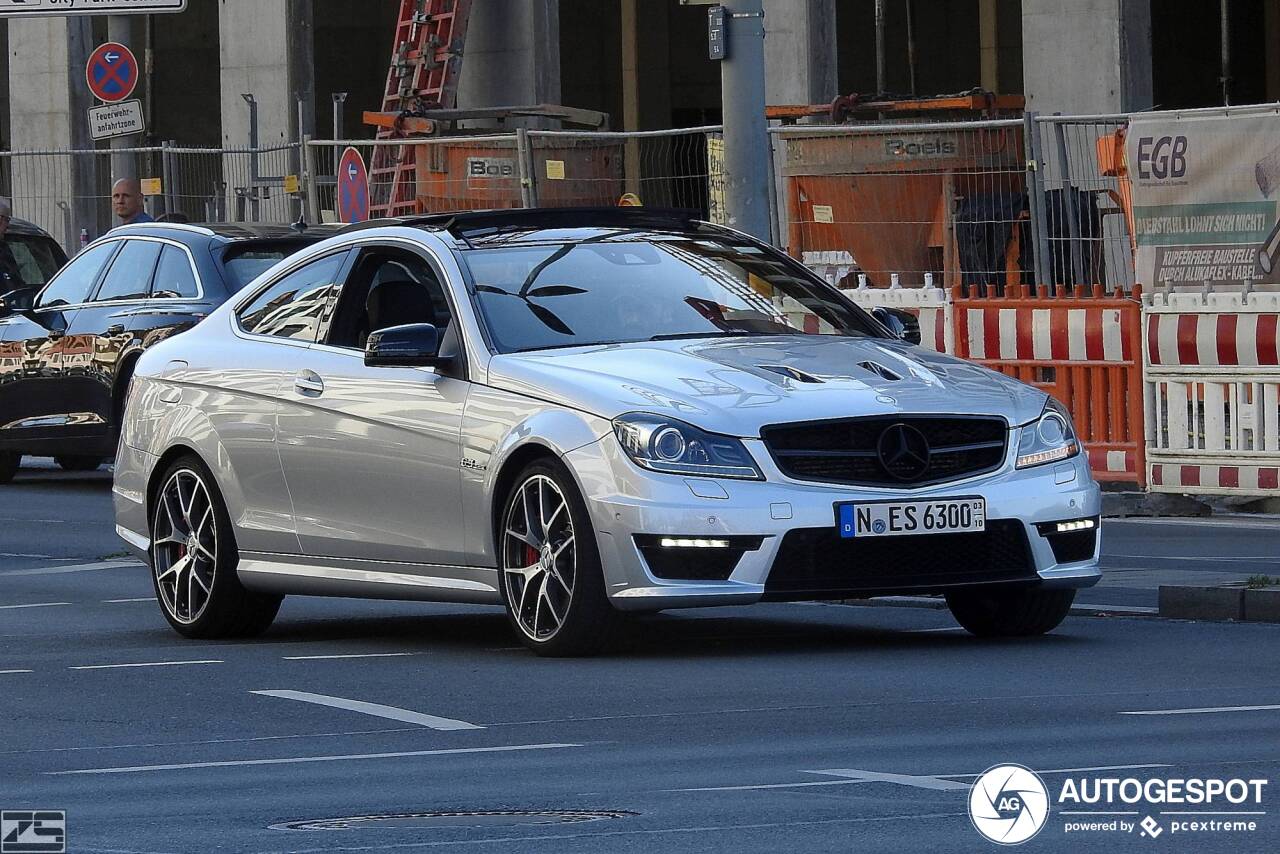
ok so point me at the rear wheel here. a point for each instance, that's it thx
(9, 463)
(194, 558)
(72, 462)
(996, 612)
(551, 578)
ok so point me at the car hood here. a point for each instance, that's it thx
(736, 386)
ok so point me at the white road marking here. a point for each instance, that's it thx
(1206, 711)
(875, 777)
(347, 656)
(345, 757)
(79, 567)
(145, 664)
(1196, 559)
(33, 605)
(911, 780)
(375, 709)
(945, 629)
(121, 601)
(35, 557)
(3, 672)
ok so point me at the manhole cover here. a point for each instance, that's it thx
(461, 818)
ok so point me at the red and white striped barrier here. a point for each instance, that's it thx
(1085, 335)
(1212, 398)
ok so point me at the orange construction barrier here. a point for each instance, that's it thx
(1085, 350)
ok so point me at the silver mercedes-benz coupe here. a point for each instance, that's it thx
(579, 414)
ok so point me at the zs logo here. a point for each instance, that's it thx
(33, 832)
(1161, 158)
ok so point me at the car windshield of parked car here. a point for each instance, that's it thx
(611, 291)
(38, 258)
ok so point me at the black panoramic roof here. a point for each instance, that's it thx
(471, 225)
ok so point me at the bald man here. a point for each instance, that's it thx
(126, 201)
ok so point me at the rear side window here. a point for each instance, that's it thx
(243, 264)
(131, 271)
(293, 306)
(72, 285)
(173, 275)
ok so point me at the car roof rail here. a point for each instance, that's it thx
(461, 223)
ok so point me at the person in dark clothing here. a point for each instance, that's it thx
(10, 274)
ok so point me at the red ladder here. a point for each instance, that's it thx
(425, 61)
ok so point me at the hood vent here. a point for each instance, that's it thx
(880, 370)
(791, 373)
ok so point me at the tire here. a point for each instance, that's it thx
(550, 576)
(189, 522)
(994, 612)
(71, 462)
(10, 461)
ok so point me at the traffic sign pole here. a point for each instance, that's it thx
(119, 29)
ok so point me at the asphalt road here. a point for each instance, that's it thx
(772, 728)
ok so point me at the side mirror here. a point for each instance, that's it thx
(903, 324)
(414, 345)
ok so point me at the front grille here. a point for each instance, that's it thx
(849, 450)
(819, 563)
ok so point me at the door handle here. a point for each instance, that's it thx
(115, 329)
(308, 383)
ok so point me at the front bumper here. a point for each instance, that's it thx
(625, 501)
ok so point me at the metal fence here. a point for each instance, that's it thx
(67, 192)
(675, 168)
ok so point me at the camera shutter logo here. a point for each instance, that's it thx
(33, 832)
(1009, 804)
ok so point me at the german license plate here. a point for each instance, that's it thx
(902, 518)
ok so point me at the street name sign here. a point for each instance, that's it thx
(35, 8)
(111, 120)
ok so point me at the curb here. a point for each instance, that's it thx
(1124, 504)
(1229, 603)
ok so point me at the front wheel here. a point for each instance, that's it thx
(551, 578)
(194, 558)
(996, 612)
(79, 463)
(9, 463)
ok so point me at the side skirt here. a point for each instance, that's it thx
(294, 575)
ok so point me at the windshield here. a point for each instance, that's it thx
(665, 287)
(244, 264)
(30, 260)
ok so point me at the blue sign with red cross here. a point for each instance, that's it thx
(353, 187)
(112, 72)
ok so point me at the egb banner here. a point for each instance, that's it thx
(1205, 194)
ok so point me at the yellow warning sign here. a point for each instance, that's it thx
(555, 170)
(291, 184)
(152, 187)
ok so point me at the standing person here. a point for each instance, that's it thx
(10, 275)
(126, 201)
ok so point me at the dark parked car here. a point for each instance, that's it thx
(67, 349)
(37, 257)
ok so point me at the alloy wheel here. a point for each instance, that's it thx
(539, 557)
(185, 546)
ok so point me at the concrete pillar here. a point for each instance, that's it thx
(512, 55)
(800, 51)
(48, 105)
(1087, 56)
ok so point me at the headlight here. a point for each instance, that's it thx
(1048, 440)
(665, 445)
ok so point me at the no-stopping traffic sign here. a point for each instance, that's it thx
(112, 72)
(353, 187)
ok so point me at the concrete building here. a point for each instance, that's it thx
(644, 62)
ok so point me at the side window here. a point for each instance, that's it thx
(388, 287)
(130, 273)
(173, 276)
(292, 307)
(72, 285)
